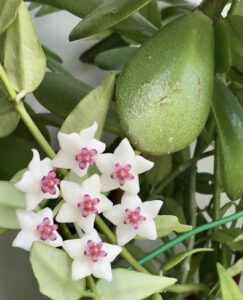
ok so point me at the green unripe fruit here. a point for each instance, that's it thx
(229, 119)
(164, 92)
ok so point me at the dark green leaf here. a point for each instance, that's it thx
(227, 237)
(8, 13)
(188, 288)
(48, 119)
(34, 5)
(94, 107)
(162, 167)
(9, 117)
(50, 53)
(205, 183)
(59, 93)
(52, 269)
(152, 13)
(114, 59)
(45, 10)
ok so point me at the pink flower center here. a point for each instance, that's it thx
(95, 250)
(88, 205)
(47, 230)
(122, 173)
(49, 182)
(134, 217)
(85, 157)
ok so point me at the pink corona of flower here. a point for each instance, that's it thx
(95, 250)
(46, 230)
(86, 157)
(88, 205)
(122, 173)
(49, 182)
(134, 217)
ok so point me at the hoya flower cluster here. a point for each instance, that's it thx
(82, 202)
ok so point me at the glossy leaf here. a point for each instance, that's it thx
(135, 27)
(10, 200)
(205, 183)
(60, 93)
(126, 285)
(93, 107)
(153, 88)
(152, 13)
(111, 42)
(156, 297)
(9, 117)
(222, 47)
(229, 289)
(107, 14)
(162, 167)
(114, 59)
(176, 259)
(52, 269)
(8, 13)
(45, 10)
(24, 59)
(229, 120)
(48, 119)
(167, 224)
(50, 53)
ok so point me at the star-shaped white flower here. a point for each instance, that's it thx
(91, 256)
(134, 217)
(36, 227)
(121, 169)
(78, 150)
(83, 202)
(39, 182)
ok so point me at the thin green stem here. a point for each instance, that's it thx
(88, 295)
(92, 286)
(65, 230)
(7, 84)
(110, 235)
(189, 234)
(217, 188)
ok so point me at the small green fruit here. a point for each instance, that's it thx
(164, 92)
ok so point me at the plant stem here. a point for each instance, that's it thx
(217, 189)
(189, 234)
(93, 287)
(88, 294)
(212, 8)
(65, 230)
(7, 84)
(110, 235)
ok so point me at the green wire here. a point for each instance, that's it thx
(188, 234)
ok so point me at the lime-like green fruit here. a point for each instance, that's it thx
(164, 92)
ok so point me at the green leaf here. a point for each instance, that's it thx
(152, 13)
(18, 176)
(167, 224)
(8, 13)
(176, 259)
(45, 10)
(48, 119)
(93, 107)
(9, 117)
(3, 230)
(60, 93)
(52, 269)
(50, 53)
(227, 237)
(24, 59)
(156, 297)
(236, 268)
(107, 14)
(10, 200)
(127, 285)
(111, 42)
(205, 183)
(114, 59)
(162, 167)
(187, 288)
(229, 289)
(135, 27)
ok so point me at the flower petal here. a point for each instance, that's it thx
(104, 204)
(72, 142)
(131, 186)
(44, 213)
(98, 145)
(72, 192)
(108, 184)
(105, 163)
(87, 134)
(80, 172)
(112, 251)
(91, 186)
(116, 214)
(25, 218)
(64, 159)
(102, 269)
(125, 233)
(75, 248)
(57, 243)
(68, 213)
(152, 208)
(141, 164)
(131, 201)
(28, 183)
(87, 223)
(124, 152)
(25, 239)
(33, 200)
(147, 229)
(81, 267)
(34, 163)
(50, 196)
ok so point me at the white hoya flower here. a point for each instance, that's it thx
(121, 169)
(78, 150)
(36, 227)
(83, 202)
(91, 256)
(39, 182)
(134, 217)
